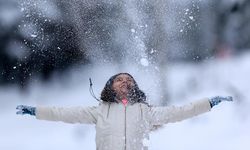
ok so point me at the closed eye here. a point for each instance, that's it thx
(118, 79)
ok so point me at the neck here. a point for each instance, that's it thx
(121, 96)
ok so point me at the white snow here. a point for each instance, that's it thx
(226, 127)
(133, 30)
(146, 142)
(152, 51)
(191, 18)
(144, 62)
(33, 35)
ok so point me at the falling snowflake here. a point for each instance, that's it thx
(33, 35)
(133, 30)
(191, 18)
(144, 62)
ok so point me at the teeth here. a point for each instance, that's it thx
(124, 85)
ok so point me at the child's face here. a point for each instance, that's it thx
(122, 84)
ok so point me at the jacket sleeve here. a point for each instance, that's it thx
(86, 115)
(170, 114)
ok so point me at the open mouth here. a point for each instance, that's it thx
(124, 86)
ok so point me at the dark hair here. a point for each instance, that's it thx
(135, 94)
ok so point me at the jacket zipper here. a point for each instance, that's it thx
(141, 112)
(125, 128)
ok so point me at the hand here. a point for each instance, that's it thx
(22, 110)
(217, 99)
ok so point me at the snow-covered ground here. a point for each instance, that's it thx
(226, 127)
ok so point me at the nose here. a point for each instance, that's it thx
(124, 82)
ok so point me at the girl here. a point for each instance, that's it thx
(123, 118)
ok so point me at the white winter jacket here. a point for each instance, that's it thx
(120, 127)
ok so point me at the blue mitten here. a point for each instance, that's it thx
(22, 110)
(217, 99)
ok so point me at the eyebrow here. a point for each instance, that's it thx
(125, 78)
(117, 78)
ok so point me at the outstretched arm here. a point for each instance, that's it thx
(86, 115)
(163, 115)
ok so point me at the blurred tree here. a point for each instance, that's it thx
(36, 44)
(39, 37)
(231, 26)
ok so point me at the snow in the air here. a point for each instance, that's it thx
(144, 62)
(225, 127)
